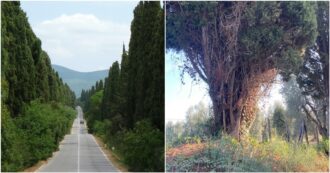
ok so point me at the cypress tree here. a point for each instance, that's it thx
(110, 102)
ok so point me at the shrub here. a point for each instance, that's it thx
(99, 128)
(324, 146)
(227, 154)
(11, 144)
(34, 135)
(219, 156)
(284, 156)
(144, 148)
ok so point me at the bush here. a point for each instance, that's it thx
(144, 148)
(227, 154)
(99, 128)
(34, 135)
(218, 156)
(12, 152)
(324, 146)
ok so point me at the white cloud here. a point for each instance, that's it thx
(83, 42)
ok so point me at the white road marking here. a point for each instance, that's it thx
(78, 140)
(104, 154)
(77, 130)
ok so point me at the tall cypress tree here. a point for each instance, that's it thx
(124, 85)
(142, 61)
(42, 77)
(110, 102)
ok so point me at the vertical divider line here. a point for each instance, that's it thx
(78, 118)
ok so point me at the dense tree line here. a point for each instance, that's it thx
(313, 78)
(26, 69)
(196, 127)
(127, 108)
(307, 92)
(33, 118)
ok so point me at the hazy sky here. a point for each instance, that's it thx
(179, 97)
(84, 36)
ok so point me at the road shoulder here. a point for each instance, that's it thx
(111, 156)
(39, 164)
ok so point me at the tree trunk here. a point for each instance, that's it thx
(234, 102)
(287, 133)
(269, 129)
(323, 126)
(234, 82)
(301, 132)
(324, 132)
(306, 134)
(316, 134)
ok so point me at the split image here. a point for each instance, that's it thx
(165, 86)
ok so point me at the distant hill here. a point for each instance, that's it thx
(79, 80)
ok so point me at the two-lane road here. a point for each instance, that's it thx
(79, 152)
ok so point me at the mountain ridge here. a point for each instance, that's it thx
(78, 81)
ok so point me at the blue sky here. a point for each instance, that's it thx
(84, 36)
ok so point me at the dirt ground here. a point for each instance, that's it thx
(184, 150)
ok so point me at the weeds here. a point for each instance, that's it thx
(227, 154)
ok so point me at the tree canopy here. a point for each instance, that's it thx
(235, 47)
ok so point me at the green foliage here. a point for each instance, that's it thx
(194, 129)
(323, 146)
(34, 135)
(31, 130)
(224, 155)
(174, 134)
(99, 128)
(294, 99)
(129, 116)
(292, 157)
(94, 113)
(278, 29)
(290, 63)
(145, 83)
(279, 120)
(227, 154)
(144, 148)
(110, 102)
(12, 147)
(25, 67)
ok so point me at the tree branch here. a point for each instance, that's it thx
(196, 67)
(309, 115)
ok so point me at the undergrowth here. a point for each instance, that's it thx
(227, 154)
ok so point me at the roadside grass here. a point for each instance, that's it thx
(227, 154)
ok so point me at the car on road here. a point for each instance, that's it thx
(81, 121)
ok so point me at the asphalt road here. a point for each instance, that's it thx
(78, 152)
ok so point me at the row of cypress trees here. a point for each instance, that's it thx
(33, 115)
(127, 108)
